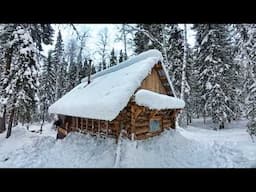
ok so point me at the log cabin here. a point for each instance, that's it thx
(135, 98)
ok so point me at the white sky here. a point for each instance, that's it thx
(68, 33)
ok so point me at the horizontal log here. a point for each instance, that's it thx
(142, 124)
(141, 137)
(166, 122)
(142, 118)
(141, 130)
(151, 134)
(167, 126)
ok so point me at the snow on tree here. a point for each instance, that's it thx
(216, 71)
(160, 36)
(47, 86)
(19, 81)
(176, 56)
(59, 68)
(143, 42)
(72, 65)
(102, 44)
(245, 42)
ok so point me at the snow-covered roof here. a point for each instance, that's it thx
(157, 101)
(109, 91)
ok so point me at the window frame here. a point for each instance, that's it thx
(160, 124)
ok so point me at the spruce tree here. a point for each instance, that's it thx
(245, 43)
(113, 59)
(143, 42)
(175, 55)
(121, 56)
(19, 81)
(215, 66)
(58, 55)
(47, 86)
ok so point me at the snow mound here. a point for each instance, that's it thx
(157, 101)
(168, 150)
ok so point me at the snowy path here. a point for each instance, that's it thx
(192, 147)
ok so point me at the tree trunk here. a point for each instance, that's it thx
(125, 42)
(43, 117)
(183, 78)
(9, 129)
(187, 119)
(3, 124)
(204, 117)
(15, 118)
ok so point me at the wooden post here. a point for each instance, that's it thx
(107, 127)
(98, 126)
(92, 125)
(76, 123)
(117, 131)
(82, 123)
(132, 121)
(86, 124)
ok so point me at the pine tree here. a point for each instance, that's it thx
(143, 42)
(121, 56)
(58, 54)
(93, 69)
(72, 65)
(47, 87)
(84, 70)
(113, 59)
(175, 55)
(19, 82)
(245, 43)
(215, 69)
(251, 110)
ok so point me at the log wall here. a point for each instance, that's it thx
(132, 119)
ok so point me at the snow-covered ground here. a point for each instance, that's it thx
(196, 146)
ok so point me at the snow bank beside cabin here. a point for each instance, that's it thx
(106, 95)
(157, 101)
(172, 149)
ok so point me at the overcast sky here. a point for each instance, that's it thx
(94, 29)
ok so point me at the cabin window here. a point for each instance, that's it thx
(154, 125)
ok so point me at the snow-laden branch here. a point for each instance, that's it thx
(145, 32)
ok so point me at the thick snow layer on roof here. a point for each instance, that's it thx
(157, 101)
(106, 95)
(130, 61)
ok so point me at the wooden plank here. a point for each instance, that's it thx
(82, 123)
(107, 126)
(76, 122)
(144, 124)
(153, 83)
(132, 121)
(141, 130)
(153, 113)
(98, 126)
(116, 124)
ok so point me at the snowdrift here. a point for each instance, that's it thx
(169, 150)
